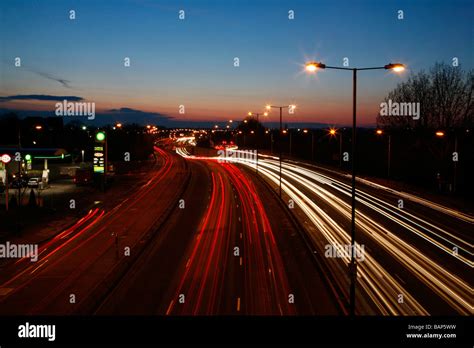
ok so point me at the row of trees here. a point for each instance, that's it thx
(445, 94)
(51, 132)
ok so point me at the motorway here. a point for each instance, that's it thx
(199, 237)
(206, 236)
(224, 253)
(418, 258)
(72, 266)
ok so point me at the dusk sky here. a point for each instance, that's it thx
(191, 61)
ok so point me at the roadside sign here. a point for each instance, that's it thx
(5, 158)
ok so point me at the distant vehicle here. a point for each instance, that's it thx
(34, 182)
(83, 176)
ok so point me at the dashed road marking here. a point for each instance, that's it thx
(169, 308)
(38, 267)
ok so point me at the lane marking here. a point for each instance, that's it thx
(5, 291)
(38, 267)
(169, 308)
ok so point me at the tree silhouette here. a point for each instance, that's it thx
(446, 97)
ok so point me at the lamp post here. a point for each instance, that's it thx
(250, 113)
(312, 67)
(257, 114)
(441, 134)
(389, 150)
(333, 132)
(291, 107)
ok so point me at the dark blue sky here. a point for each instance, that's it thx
(190, 62)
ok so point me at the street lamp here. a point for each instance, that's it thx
(441, 134)
(313, 67)
(257, 114)
(333, 132)
(306, 131)
(290, 107)
(250, 113)
(389, 150)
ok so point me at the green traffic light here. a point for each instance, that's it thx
(28, 157)
(100, 136)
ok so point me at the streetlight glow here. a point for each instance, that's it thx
(312, 67)
(39, 127)
(379, 131)
(397, 67)
(440, 134)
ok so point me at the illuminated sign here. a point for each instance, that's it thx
(99, 153)
(5, 158)
(99, 164)
(100, 136)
